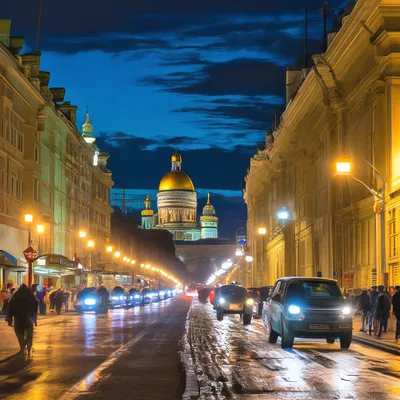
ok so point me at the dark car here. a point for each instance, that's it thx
(234, 299)
(147, 296)
(135, 297)
(92, 299)
(260, 296)
(308, 308)
(117, 297)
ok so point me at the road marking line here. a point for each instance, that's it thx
(94, 377)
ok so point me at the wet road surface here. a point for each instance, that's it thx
(125, 354)
(237, 362)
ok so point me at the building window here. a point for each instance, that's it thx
(392, 230)
(36, 154)
(36, 189)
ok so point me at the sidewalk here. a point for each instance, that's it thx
(386, 342)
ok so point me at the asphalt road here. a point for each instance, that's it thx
(237, 362)
(125, 354)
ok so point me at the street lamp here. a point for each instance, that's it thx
(283, 214)
(344, 168)
(133, 262)
(249, 259)
(117, 254)
(28, 218)
(82, 234)
(262, 231)
(109, 249)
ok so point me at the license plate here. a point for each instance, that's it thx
(235, 307)
(319, 327)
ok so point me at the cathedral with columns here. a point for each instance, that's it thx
(177, 208)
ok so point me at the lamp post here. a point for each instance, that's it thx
(283, 215)
(262, 231)
(28, 218)
(344, 168)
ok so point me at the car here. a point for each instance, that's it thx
(260, 296)
(234, 299)
(147, 296)
(307, 308)
(118, 295)
(92, 299)
(132, 298)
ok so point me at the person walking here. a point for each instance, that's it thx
(372, 303)
(35, 291)
(41, 297)
(382, 310)
(58, 300)
(365, 307)
(66, 295)
(396, 311)
(21, 309)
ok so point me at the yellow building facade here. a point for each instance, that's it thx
(346, 106)
(47, 169)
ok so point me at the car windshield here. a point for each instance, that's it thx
(233, 293)
(83, 293)
(310, 290)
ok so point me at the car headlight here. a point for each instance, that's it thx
(121, 297)
(221, 300)
(115, 298)
(137, 296)
(131, 297)
(162, 293)
(346, 311)
(250, 302)
(90, 302)
(294, 310)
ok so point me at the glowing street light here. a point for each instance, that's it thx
(117, 254)
(109, 249)
(249, 259)
(40, 228)
(28, 218)
(262, 231)
(91, 244)
(283, 214)
(343, 167)
(239, 253)
(133, 262)
(82, 234)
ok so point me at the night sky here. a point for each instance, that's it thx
(206, 76)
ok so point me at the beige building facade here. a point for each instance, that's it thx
(346, 106)
(48, 169)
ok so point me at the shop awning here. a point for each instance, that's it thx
(10, 262)
(55, 265)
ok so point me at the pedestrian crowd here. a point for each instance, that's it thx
(376, 305)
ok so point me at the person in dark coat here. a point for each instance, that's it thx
(58, 300)
(382, 310)
(42, 305)
(21, 309)
(372, 302)
(396, 311)
(365, 307)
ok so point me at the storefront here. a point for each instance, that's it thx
(10, 271)
(54, 270)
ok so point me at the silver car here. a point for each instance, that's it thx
(308, 308)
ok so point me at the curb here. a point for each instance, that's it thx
(192, 389)
(380, 346)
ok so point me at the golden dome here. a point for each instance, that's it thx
(176, 180)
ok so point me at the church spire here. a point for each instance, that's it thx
(87, 129)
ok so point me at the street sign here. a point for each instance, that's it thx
(30, 254)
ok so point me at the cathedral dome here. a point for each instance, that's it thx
(176, 180)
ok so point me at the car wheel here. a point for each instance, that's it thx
(330, 340)
(345, 340)
(287, 338)
(273, 336)
(247, 318)
(220, 314)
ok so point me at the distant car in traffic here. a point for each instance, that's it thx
(133, 298)
(92, 299)
(234, 299)
(117, 297)
(147, 296)
(308, 308)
